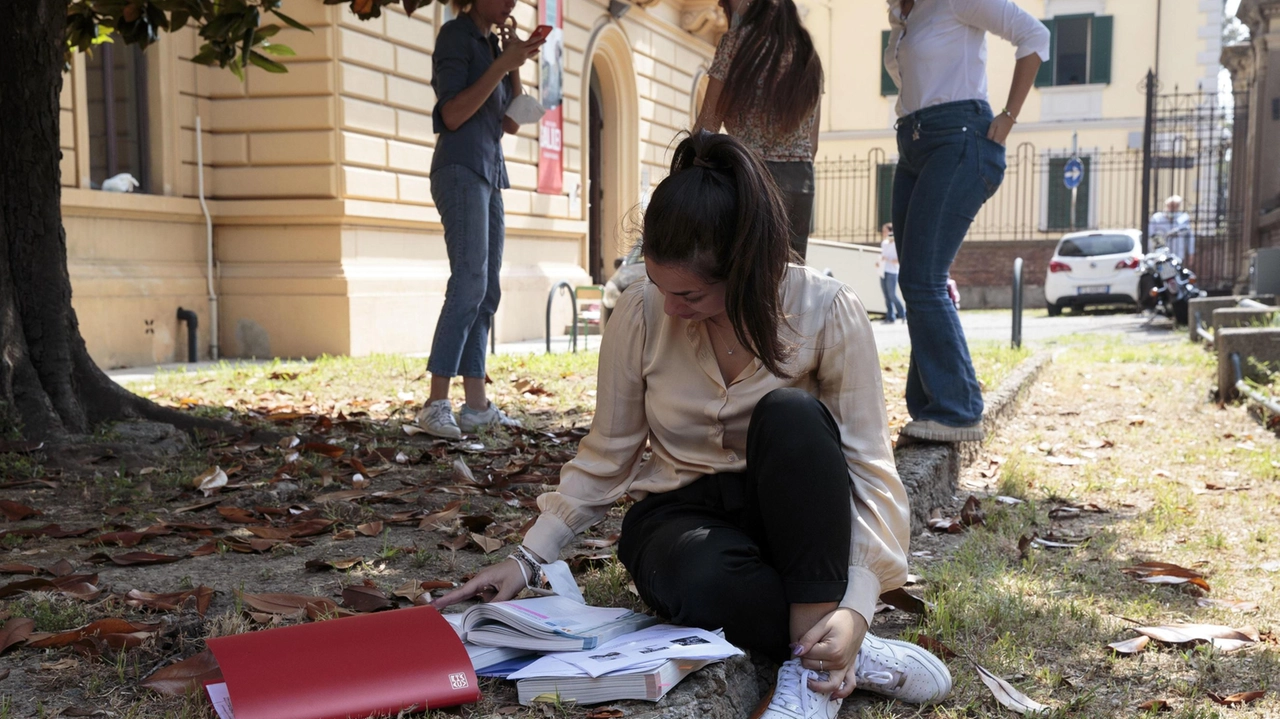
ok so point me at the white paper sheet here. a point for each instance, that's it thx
(636, 652)
(221, 700)
(562, 581)
(525, 110)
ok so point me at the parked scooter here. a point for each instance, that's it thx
(1167, 286)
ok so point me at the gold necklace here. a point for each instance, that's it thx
(721, 337)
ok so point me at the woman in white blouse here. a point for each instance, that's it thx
(739, 402)
(951, 159)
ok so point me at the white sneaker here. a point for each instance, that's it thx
(436, 418)
(793, 699)
(901, 671)
(470, 420)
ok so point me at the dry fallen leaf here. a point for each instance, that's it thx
(1233, 699)
(291, 605)
(15, 512)
(1235, 605)
(1222, 637)
(462, 473)
(130, 559)
(935, 646)
(1155, 705)
(488, 544)
(320, 565)
(366, 598)
(371, 529)
(61, 664)
(210, 481)
(1131, 646)
(186, 676)
(1165, 573)
(902, 599)
(199, 598)
(15, 631)
(1009, 698)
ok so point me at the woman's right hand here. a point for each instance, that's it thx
(495, 583)
(516, 51)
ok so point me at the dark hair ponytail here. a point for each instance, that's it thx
(775, 64)
(720, 215)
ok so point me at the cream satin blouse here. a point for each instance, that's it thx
(660, 389)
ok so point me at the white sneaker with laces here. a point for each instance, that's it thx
(793, 699)
(901, 671)
(470, 420)
(436, 418)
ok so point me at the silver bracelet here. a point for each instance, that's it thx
(534, 577)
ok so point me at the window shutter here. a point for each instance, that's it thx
(884, 193)
(1044, 78)
(887, 85)
(1100, 51)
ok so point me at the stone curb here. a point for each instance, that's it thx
(930, 471)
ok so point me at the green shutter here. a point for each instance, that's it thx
(884, 194)
(1044, 78)
(1100, 51)
(887, 85)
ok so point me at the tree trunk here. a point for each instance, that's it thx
(49, 386)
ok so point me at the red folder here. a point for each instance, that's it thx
(351, 667)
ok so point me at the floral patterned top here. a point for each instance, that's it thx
(755, 128)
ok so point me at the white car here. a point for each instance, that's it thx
(1094, 268)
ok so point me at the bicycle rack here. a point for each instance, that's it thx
(573, 298)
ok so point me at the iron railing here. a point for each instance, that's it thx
(1188, 151)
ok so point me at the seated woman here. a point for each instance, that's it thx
(768, 504)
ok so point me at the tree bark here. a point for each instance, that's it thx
(49, 386)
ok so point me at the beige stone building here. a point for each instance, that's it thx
(324, 237)
(1255, 71)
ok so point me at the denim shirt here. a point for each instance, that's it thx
(462, 55)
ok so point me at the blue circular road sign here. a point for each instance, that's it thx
(1073, 173)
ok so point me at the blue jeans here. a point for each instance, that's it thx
(474, 229)
(889, 286)
(947, 168)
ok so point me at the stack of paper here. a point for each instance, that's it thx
(641, 665)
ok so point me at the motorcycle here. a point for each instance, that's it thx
(1166, 285)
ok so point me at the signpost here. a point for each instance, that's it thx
(1072, 176)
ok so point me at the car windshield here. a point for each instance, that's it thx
(1091, 245)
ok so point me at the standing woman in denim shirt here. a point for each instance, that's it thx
(951, 159)
(475, 78)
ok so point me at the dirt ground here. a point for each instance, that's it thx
(328, 475)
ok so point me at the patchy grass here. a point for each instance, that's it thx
(1126, 426)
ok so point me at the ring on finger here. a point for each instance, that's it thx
(819, 665)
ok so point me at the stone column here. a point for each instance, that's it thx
(1238, 59)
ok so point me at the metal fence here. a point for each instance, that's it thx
(1185, 150)
(853, 196)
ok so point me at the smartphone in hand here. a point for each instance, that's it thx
(541, 32)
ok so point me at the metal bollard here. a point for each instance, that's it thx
(1017, 303)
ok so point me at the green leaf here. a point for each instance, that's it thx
(237, 69)
(291, 22)
(275, 48)
(178, 20)
(206, 56)
(265, 32)
(265, 62)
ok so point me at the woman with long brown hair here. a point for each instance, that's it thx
(739, 402)
(765, 87)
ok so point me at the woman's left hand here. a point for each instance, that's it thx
(1000, 128)
(831, 646)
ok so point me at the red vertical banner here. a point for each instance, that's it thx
(551, 90)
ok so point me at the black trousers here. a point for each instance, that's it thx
(795, 180)
(736, 550)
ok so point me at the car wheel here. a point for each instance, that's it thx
(1054, 310)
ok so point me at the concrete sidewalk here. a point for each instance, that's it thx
(979, 325)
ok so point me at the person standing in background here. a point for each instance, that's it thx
(474, 78)
(951, 160)
(888, 267)
(765, 87)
